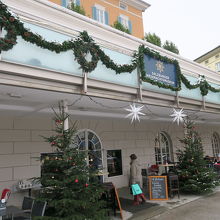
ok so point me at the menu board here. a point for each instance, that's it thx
(158, 187)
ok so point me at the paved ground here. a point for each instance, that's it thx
(187, 207)
(201, 209)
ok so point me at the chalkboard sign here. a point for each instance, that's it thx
(158, 187)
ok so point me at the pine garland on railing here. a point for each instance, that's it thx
(156, 55)
(84, 45)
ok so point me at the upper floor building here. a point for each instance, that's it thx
(110, 12)
(211, 59)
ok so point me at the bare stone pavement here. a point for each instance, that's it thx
(205, 208)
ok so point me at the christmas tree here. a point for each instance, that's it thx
(195, 177)
(69, 183)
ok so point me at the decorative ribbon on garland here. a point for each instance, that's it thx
(84, 45)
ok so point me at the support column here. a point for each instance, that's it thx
(65, 110)
(177, 99)
(203, 102)
(140, 85)
(85, 82)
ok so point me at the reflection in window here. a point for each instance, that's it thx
(215, 144)
(114, 162)
(163, 149)
(124, 21)
(87, 140)
(217, 67)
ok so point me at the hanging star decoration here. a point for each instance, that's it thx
(135, 112)
(201, 79)
(178, 116)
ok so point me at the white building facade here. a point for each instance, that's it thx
(34, 79)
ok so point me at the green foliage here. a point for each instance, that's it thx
(70, 185)
(156, 55)
(121, 27)
(153, 38)
(84, 45)
(168, 45)
(77, 8)
(195, 176)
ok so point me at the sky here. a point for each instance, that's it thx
(193, 25)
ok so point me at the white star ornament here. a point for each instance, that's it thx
(178, 115)
(134, 112)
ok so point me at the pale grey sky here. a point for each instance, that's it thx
(193, 25)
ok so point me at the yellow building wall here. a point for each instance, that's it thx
(212, 62)
(56, 1)
(112, 7)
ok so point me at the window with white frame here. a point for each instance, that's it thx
(86, 140)
(215, 144)
(72, 1)
(163, 148)
(67, 3)
(100, 14)
(124, 21)
(217, 67)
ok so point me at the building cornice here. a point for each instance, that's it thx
(138, 4)
(208, 54)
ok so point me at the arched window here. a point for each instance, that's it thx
(163, 148)
(215, 144)
(87, 140)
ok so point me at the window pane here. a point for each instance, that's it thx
(215, 145)
(163, 149)
(90, 135)
(100, 15)
(114, 162)
(98, 146)
(90, 146)
(82, 145)
(95, 159)
(95, 139)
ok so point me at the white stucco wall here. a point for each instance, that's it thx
(21, 144)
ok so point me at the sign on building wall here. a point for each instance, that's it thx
(160, 71)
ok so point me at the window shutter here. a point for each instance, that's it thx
(94, 16)
(119, 19)
(78, 2)
(63, 3)
(130, 26)
(106, 18)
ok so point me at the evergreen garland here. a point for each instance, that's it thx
(156, 55)
(84, 45)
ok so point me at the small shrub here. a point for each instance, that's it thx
(77, 8)
(121, 27)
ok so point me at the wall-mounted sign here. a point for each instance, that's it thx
(160, 71)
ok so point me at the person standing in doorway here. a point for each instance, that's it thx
(135, 178)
